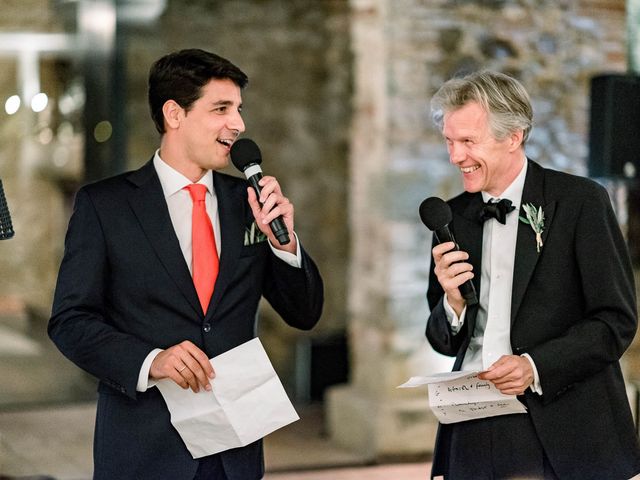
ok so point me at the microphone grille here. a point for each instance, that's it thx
(244, 152)
(6, 229)
(435, 213)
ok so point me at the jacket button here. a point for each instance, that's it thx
(206, 327)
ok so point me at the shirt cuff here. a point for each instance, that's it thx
(455, 321)
(535, 386)
(144, 382)
(290, 258)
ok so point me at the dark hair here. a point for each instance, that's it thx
(180, 76)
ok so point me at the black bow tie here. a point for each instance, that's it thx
(497, 210)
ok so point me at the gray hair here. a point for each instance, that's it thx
(505, 100)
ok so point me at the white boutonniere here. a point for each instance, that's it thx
(535, 218)
(253, 234)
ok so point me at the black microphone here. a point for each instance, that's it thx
(247, 158)
(436, 214)
(6, 229)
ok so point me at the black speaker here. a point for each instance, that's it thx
(614, 131)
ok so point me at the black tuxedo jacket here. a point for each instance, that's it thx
(124, 289)
(573, 310)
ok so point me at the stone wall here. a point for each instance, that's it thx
(338, 101)
(552, 47)
(403, 51)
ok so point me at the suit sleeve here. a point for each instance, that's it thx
(608, 321)
(79, 326)
(297, 294)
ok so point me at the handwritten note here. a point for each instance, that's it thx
(459, 396)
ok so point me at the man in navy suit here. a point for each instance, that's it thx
(557, 305)
(125, 307)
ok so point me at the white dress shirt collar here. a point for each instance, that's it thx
(173, 181)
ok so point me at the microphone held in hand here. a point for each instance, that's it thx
(436, 214)
(247, 158)
(6, 229)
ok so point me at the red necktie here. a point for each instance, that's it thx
(204, 261)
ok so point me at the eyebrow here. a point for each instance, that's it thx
(224, 103)
(464, 136)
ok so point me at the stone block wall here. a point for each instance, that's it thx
(403, 51)
(338, 101)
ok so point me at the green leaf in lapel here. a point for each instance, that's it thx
(535, 218)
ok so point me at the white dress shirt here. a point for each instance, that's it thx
(491, 336)
(180, 207)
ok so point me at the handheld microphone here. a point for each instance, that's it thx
(6, 229)
(436, 214)
(247, 158)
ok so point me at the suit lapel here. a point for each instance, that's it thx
(468, 234)
(232, 210)
(527, 255)
(150, 208)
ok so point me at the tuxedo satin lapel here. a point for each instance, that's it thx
(232, 210)
(526, 252)
(468, 234)
(150, 208)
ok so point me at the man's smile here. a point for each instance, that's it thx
(469, 169)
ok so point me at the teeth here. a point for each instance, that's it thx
(469, 169)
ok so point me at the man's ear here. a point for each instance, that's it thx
(516, 140)
(173, 114)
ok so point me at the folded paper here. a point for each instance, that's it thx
(247, 402)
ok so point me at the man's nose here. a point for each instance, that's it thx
(236, 123)
(456, 154)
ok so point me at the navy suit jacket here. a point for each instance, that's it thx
(573, 310)
(124, 289)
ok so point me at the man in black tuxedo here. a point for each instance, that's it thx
(556, 308)
(125, 307)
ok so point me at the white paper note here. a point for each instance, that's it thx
(459, 396)
(247, 402)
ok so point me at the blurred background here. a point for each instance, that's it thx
(338, 101)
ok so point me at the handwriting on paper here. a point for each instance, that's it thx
(459, 396)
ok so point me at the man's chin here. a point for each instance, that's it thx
(471, 187)
(220, 163)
